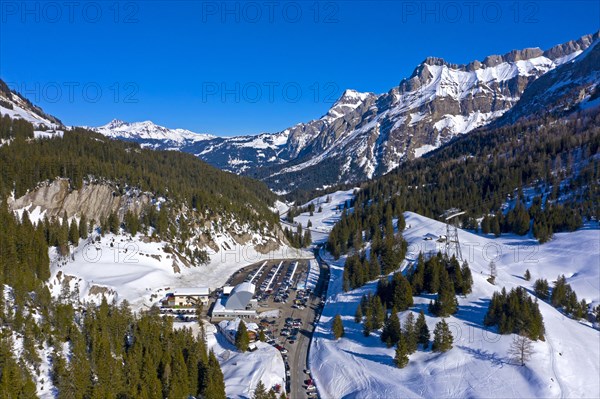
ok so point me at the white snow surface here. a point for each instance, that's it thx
(142, 272)
(242, 371)
(566, 364)
(21, 111)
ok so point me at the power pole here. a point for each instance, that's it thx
(452, 242)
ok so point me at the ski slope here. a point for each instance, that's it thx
(566, 365)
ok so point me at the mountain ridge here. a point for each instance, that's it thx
(365, 134)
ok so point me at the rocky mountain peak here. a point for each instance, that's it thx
(571, 46)
(115, 123)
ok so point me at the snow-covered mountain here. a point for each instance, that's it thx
(149, 134)
(573, 86)
(365, 134)
(18, 107)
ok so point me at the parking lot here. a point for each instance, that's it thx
(286, 314)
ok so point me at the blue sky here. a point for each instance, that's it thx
(248, 67)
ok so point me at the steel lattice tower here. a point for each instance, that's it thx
(452, 242)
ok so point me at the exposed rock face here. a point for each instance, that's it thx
(571, 87)
(96, 201)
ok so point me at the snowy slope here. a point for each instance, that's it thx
(242, 371)
(567, 364)
(141, 271)
(17, 107)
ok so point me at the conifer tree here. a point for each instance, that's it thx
(541, 288)
(527, 275)
(260, 392)
(113, 223)
(368, 323)
(445, 303)
(493, 272)
(357, 316)
(467, 278)
(242, 340)
(410, 333)
(215, 387)
(378, 313)
(83, 227)
(392, 329)
(402, 296)
(338, 327)
(422, 330)
(73, 232)
(401, 356)
(442, 337)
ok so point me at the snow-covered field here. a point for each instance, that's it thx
(567, 364)
(121, 267)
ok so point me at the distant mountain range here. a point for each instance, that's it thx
(364, 135)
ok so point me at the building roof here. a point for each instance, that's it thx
(240, 296)
(231, 326)
(196, 291)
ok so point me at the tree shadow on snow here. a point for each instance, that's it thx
(473, 314)
(481, 354)
(381, 359)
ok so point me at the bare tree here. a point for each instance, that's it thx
(493, 272)
(521, 349)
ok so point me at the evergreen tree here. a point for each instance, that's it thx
(559, 292)
(527, 275)
(422, 330)
(391, 329)
(357, 316)
(378, 313)
(410, 333)
(260, 392)
(402, 292)
(401, 356)
(215, 387)
(495, 226)
(541, 288)
(242, 341)
(83, 227)
(467, 278)
(113, 223)
(445, 303)
(74, 232)
(338, 327)
(368, 323)
(442, 337)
